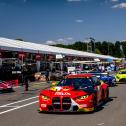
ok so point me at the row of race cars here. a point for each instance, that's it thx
(78, 92)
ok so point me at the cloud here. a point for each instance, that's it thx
(121, 5)
(50, 42)
(79, 21)
(69, 38)
(60, 40)
(114, 0)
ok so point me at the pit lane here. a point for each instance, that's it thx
(112, 113)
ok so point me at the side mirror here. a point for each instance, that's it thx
(54, 83)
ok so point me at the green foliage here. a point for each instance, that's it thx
(124, 48)
(97, 51)
(117, 49)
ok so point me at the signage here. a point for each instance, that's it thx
(21, 55)
(38, 57)
(59, 56)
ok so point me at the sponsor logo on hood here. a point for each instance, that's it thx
(62, 93)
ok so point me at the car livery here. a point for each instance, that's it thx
(121, 76)
(74, 93)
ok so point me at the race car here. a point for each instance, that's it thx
(121, 76)
(6, 85)
(74, 93)
(106, 78)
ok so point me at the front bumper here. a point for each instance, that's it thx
(69, 106)
(75, 109)
(121, 80)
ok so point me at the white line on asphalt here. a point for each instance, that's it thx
(19, 101)
(8, 106)
(16, 87)
(101, 124)
(18, 107)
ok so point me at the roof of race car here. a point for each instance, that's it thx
(78, 75)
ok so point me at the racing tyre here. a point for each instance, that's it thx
(107, 94)
(95, 103)
(103, 95)
(11, 90)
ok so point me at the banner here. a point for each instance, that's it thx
(21, 55)
(38, 57)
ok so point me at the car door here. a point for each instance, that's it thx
(97, 84)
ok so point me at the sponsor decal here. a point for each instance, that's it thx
(65, 89)
(62, 93)
(43, 105)
(83, 105)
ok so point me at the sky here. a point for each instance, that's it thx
(63, 21)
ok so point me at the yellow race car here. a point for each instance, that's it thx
(121, 76)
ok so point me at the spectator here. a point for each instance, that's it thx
(47, 75)
(25, 78)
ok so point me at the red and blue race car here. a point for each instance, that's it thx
(74, 93)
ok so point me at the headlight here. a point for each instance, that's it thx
(45, 97)
(82, 97)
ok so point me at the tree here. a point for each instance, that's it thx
(118, 51)
(104, 48)
(19, 39)
(124, 47)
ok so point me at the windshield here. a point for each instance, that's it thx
(96, 74)
(122, 72)
(75, 82)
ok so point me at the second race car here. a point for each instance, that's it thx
(106, 78)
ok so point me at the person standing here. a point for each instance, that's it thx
(25, 78)
(47, 75)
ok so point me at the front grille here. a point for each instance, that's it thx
(61, 103)
(56, 103)
(66, 103)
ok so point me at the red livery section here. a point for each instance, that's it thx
(8, 85)
(75, 93)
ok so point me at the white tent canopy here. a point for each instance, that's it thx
(16, 45)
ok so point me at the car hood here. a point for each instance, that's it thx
(66, 91)
(121, 75)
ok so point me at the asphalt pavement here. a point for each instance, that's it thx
(19, 108)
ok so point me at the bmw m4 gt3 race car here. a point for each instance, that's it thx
(74, 93)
